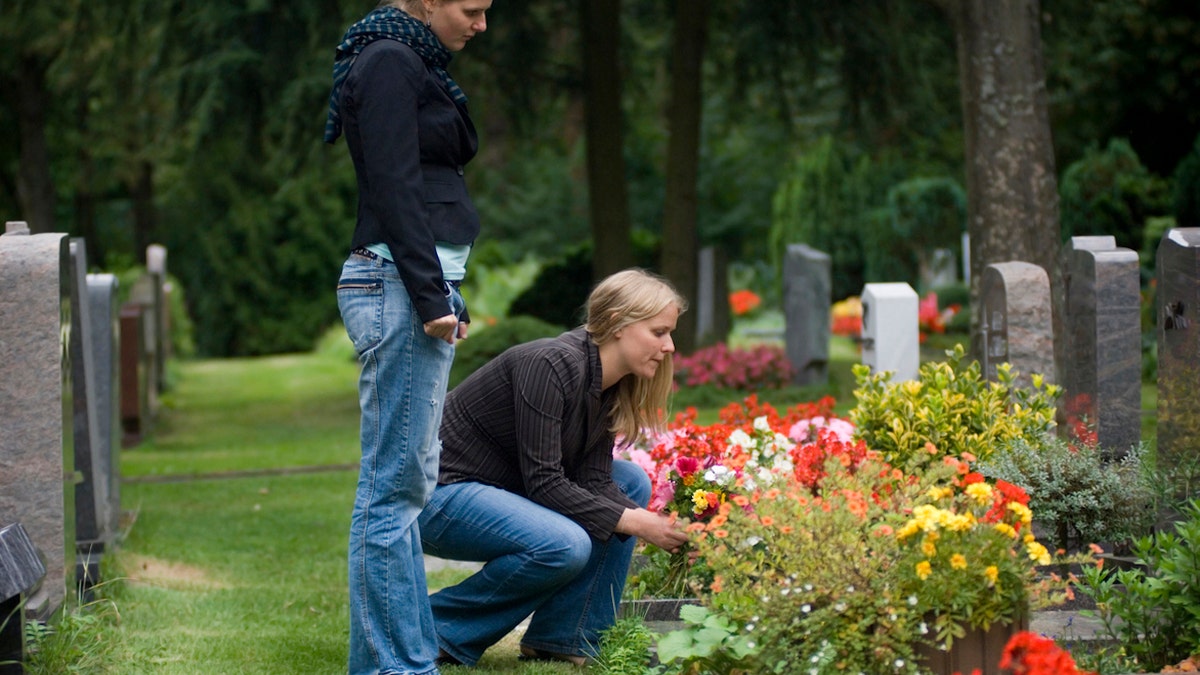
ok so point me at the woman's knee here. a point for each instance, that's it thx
(564, 551)
(632, 480)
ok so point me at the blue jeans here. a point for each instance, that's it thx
(401, 388)
(537, 561)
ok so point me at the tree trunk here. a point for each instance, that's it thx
(1012, 192)
(680, 249)
(145, 216)
(35, 185)
(608, 197)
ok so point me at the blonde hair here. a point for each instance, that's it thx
(621, 299)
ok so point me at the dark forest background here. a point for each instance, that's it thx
(612, 132)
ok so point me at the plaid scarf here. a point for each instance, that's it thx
(386, 23)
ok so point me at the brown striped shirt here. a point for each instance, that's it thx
(534, 421)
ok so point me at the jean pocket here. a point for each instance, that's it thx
(360, 301)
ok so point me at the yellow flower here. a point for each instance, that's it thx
(928, 548)
(958, 561)
(992, 573)
(1022, 512)
(924, 569)
(935, 493)
(700, 500)
(980, 492)
(1037, 553)
(1006, 529)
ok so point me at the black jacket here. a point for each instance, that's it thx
(535, 421)
(409, 142)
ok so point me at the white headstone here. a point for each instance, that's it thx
(891, 336)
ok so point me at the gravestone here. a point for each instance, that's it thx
(147, 292)
(807, 297)
(37, 475)
(891, 332)
(156, 269)
(20, 571)
(1015, 323)
(712, 288)
(941, 269)
(1178, 329)
(91, 493)
(1102, 372)
(106, 341)
(134, 374)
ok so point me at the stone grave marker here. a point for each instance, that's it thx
(106, 340)
(134, 374)
(37, 474)
(807, 298)
(91, 493)
(1178, 329)
(1103, 343)
(1015, 322)
(891, 333)
(20, 571)
(156, 268)
(147, 292)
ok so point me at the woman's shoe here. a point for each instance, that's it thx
(531, 654)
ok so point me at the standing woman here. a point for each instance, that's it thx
(528, 484)
(409, 135)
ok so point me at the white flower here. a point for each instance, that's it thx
(741, 439)
(761, 424)
(849, 589)
(923, 629)
(806, 608)
(912, 600)
(899, 663)
(841, 607)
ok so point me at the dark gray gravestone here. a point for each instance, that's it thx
(807, 298)
(91, 493)
(37, 476)
(1015, 323)
(1103, 350)
(1178, 300)
(105, 343)
(20, 571)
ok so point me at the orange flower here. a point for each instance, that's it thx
(767, 521)
(717, 584)
(740, 500)
(721, 534)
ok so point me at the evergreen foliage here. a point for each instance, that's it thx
(471, 354)
(1109, 192)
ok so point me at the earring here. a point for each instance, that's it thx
(428, 22)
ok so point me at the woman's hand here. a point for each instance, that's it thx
(443, 328)
(663, 531)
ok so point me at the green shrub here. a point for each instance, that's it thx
(951, 406)
(1153, 610)
(1187, 188)
(472, 353)
(1110, 192)
(1074, 491)
(558, 293)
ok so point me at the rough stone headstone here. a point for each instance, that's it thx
(891, 332)
(1102, 372)
(20, 571)
(37, 475)
(1016, 324)
(1178, 300)
(807, 298)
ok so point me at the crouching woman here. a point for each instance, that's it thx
(529, 487)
